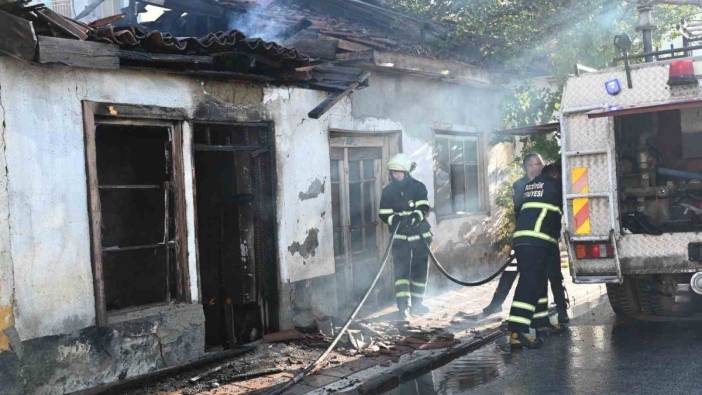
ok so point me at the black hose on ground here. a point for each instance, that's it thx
(314, 366)
(466, 283)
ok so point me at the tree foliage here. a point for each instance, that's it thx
(533, 35)
(543, 37)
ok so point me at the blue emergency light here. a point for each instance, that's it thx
(613, 86)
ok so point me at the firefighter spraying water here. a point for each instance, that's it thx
(404, 204)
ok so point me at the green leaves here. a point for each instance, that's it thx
(541, 36)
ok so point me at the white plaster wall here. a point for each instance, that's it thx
(302, 156)
(188, 168)
(6, 278)
(50, 241)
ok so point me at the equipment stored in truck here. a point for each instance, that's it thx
(632, 180)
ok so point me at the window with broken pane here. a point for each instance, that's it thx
(136, 191)
(457, 185)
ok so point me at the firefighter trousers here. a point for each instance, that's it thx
(410, 260)
(555, 278)
(530, 304)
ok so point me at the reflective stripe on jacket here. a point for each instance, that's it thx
(402, 199)
(539, 219)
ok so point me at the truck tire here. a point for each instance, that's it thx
(624, 298)
(659, 297)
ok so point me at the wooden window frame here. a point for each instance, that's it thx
(94, 114)
(482, 185)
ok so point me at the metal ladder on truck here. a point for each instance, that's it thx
(616, 276)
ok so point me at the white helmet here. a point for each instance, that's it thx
(401, 162)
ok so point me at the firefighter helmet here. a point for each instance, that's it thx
(401, 162)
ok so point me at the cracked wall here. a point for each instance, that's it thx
(7, 319)
(315, 189)
(48, 339)
(102, 355)
(302, 167)
(308, 247)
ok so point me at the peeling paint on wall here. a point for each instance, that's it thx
(308, 248)
(6, 322)
(315, 189)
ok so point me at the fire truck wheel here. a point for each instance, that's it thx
(624, 298)
(660, 296)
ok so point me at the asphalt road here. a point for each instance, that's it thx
(598, 355)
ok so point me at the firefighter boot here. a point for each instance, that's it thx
(549, 329)
(518, 340)
(419, 308)
(404, 310)
(490, 310)
(563, 316)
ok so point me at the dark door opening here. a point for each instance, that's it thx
(236, 228)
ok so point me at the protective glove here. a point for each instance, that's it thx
(415, 219)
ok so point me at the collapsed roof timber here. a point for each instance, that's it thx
(38, 34)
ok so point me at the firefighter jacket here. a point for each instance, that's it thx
(539, 219)
(518, 194)
(403, 200)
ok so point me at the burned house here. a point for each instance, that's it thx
(166, 195)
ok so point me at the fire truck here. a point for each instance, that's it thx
(631, 140)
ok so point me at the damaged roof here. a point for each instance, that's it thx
(361, 23)
(354, 24)
(349, 32)
(38, 34)
(223, 42)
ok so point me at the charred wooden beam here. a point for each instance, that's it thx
(135, 111)
(303, 24)
(77, 53)
(334, 98)
(164, 57)
(354, 56)
(316, 48)
(63, 24)
(17, 37)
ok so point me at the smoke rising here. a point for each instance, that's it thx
(256, 23)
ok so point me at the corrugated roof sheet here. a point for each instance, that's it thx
(138, 38)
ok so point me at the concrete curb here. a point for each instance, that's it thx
(376, 379)
(425, 364)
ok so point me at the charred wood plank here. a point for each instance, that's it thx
(113, 110)
(63, 24)
(301, 25)
(164, 57)
(17, 37)
(328, 86)
(316, 48)
(334, 98)
(77, 53)
(374, 42)
(354, 71)
(354, 56)
(351, 46)
(106, 21)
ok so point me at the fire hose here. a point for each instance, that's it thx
(314, 366)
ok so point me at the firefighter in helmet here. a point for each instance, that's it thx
(404, 204)
(535, 242)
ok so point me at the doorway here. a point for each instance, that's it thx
(236, 228)
(357, 178)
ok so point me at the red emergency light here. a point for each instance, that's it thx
(682, 72)
(594, 250)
